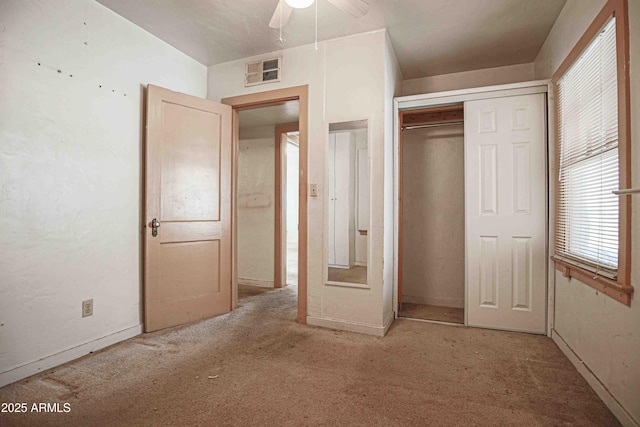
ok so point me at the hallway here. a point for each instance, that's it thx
(256, 366)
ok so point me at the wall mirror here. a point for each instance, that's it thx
(348, 199)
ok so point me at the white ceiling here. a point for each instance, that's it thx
(430, 37)
(282, 114)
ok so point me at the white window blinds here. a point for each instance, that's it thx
(587, 223)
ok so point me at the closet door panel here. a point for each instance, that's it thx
(505, 187)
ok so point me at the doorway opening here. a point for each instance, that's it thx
(264, 200)
(432, 215)
(282, 111)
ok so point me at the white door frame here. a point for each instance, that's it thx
(453, 97)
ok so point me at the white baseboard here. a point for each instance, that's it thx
(442, 302)
(625, 418)
(388, 321)
(247, 281)
(65, 356)
(342, 325)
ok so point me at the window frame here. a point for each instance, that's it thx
(619, 289)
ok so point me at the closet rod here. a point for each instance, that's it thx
(432, 125)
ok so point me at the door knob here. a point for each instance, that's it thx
(155, 224)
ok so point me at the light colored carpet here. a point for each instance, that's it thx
(267, 370)
(245, 291)
(432, 312)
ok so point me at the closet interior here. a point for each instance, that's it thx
(432, 214)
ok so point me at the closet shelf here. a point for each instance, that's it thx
(431, 125)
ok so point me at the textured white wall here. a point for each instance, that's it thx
(469, 79)
(256, 211)
(603, 333)
(70, 175)
(433, 216)
(346, 81)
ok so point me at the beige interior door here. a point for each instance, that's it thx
(505, 165)
(188, 198)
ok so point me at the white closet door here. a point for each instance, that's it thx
(505, 213)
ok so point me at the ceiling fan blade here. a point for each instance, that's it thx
(286, 14)
(357, 8)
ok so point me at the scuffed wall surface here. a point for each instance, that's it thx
(603, 333)
(433, 268)
(346, 80)
(71, 80)
(256, 210)
(354, 70)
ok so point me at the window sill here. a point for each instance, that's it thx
(618, 291)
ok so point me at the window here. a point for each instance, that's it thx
(592, 107)
(589, 158)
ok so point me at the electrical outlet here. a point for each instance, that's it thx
(87, 308)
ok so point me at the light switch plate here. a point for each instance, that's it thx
(313, 190)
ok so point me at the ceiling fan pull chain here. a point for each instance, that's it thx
(280, 39)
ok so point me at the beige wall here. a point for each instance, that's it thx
(433, 216)
(346, 78)
(392, 88)
(469, 79)
(70, 174)
(573, 21)
(601, 332)
(256, 211)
